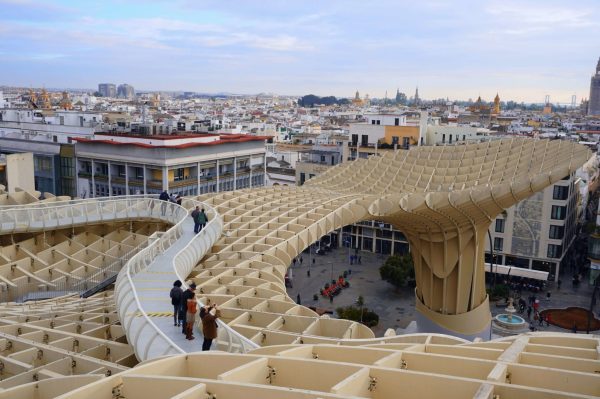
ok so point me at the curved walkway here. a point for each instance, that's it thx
(143, 285)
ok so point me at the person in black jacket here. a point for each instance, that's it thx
(164, 197)
(187, 294)
(176, 294)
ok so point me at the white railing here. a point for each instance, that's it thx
(147, 339)
(69, 213)
(184, 262)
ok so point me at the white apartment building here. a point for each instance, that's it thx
(186, 164)
(49, 136)
(537, 232)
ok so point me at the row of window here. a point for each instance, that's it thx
(554, 251)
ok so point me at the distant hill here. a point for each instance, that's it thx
(311, 100)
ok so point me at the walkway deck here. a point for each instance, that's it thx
(153, 287)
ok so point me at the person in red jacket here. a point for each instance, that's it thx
(190, 316)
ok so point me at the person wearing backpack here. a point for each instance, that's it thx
(190, 316)
(176, 295)
(201, 220)
(187, 294)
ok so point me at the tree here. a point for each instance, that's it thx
(397, 270)
(354, 313)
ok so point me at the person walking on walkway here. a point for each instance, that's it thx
(187, 294)
(176, 294)
(164, 197)
(190, 317)
(209, 324)
(194, 215)
(173, 201)
(201, 219)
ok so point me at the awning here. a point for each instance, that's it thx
(517, 271)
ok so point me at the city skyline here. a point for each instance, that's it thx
(522, 50)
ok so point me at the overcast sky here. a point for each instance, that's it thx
(457, 49)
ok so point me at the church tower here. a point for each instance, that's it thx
(417, 100)
(496, 109)
(594, 101)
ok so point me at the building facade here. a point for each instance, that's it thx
(49, 136)
(107, 90)
(189, 164)
(537, 232)
(125, 91)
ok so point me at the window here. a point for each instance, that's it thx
(121, 170)
(499, 226)
(322, 158)
(444, 138)
(179, 175)
(42, 164)
(364, 140)
(557, 232)
(450, 139)
(354, 139)
(498, 243)
(373, 122)
(302, 178)
(395, 140)
(139, 173)
(396, 121)
(405, 142)
(464, 137)
(378, 122)
(558, 212)
(560, 193)
(554, 251)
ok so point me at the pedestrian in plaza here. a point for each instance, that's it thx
(201, 219)
(541, 320)
(190, 316)
(187, 294)
(176, 294)
(179, 200)
(351, 259)
(301, 261)
(194, 216)
(558, 284)
(529, 310)
(359, 260)
(548, 319)
(298, 299)
(209, 316)
(294, 262)
(164, 197)
(574, 328)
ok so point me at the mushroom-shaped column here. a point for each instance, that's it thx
(447, 233)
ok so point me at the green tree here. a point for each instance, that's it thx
(354, 313)
(397, 270)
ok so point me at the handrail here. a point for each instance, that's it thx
(27, 217)
(127, 300)
(183, 264)
(32, 217)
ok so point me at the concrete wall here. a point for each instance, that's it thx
(19, 172)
